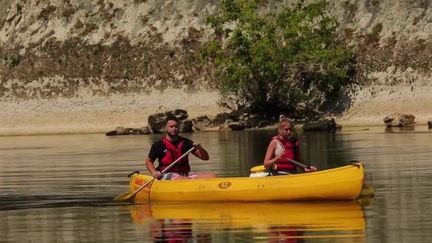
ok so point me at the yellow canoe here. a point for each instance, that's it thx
(342, 183)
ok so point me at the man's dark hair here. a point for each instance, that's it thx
(171, 118)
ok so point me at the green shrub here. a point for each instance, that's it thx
(291, 61)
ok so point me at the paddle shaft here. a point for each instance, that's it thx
(177, 160)
(298, 163)
(163, 171)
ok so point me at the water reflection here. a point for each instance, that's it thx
(400, 129)
(272, 222)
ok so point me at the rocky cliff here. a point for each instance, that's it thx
(70, 49)
(52, 48)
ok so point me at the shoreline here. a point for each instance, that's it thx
(96, 114)
(372, 103)
(90, 114)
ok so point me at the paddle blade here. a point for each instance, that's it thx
(129, 195)
(124, 197)
(259, 168)
(367, 191)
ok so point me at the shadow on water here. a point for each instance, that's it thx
(17, 202)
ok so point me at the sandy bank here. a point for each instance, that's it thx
(371, 104)
(90, 114)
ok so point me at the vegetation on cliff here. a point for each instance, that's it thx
(291, 61)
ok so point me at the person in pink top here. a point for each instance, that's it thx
(282, 150)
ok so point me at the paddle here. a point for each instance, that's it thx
(298, 163)
(129, 195)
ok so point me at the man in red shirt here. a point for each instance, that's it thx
(171, 147)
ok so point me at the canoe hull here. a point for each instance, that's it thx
(342, 183)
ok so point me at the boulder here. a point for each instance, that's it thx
(253, 120)
(146, 130)
(429, 124)
(111, 133)
(222, 118)
(141, 131)
(128, 131)
(179, 113)
(236, 126)
(120, 131)
(156, 121)
(117, 131)
(322, 125)
(246, 119)
(201, 122)
(399, 120)
(186, 126)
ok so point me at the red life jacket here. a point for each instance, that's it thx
(291, 152)
(172, 153)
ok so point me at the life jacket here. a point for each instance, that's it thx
(171, 154)
(290, 152)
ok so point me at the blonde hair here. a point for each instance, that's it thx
(286, 120)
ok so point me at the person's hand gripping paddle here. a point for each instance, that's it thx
(128, 195)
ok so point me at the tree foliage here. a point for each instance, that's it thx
(291, 61)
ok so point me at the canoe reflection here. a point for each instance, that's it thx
(272, 221)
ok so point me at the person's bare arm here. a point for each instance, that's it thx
(269, 158)
(152, 169)
(200, 152)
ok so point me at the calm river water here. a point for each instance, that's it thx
(59, 188)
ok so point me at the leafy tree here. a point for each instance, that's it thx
(291, 61)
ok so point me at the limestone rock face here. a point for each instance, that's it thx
(53, 48)
(56, 48)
